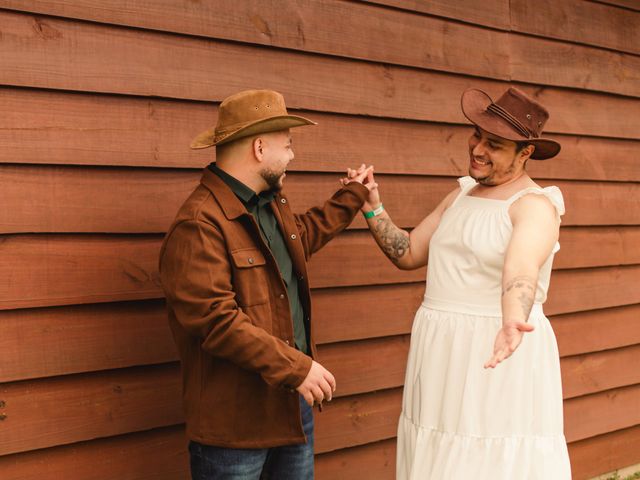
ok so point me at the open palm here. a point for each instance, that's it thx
(507, 340)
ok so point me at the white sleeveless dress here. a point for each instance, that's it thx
(460, 421)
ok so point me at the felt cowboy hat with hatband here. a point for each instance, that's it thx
(249, 113)
(514, 116)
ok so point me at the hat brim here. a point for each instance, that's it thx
(474, 105)
(208, 138)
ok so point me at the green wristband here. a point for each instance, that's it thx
(374, 213)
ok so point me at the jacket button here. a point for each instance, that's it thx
(281, 295)
(287, 342)
(283, 200)
(293, 236)
(250, 261)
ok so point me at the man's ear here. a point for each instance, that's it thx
(258, 148)
(527, 151)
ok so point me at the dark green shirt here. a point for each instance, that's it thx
(259, 205)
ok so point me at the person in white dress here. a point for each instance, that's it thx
(482, 396)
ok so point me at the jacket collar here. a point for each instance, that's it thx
(231, 205)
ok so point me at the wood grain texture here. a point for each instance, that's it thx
(50, 270)
(74, 199)
(64, 128)
(333, 323)
(614, 246)
(580, 22)
(590, 68)
(602, 412)
(53, 53)
(626, 4)
(68, 340)
(366, 365)
(158, 454)
(374, 461)
(605, 453)
(90, 235)
(66, 199)
(494, 13)
(63, 410)
(114, 403)
(320, 26)
(599, 371)
(358, 420)
(71, 128)
(598, 329)
(582, 290)
(60, 341)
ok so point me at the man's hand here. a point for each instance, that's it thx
(364, 175)
(507, 340)
(319, 384)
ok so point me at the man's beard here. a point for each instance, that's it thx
(273, 179)
(489, 180)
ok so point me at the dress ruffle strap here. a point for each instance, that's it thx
(466, 184)
(553, 193)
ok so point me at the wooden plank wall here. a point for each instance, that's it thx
(98, 102)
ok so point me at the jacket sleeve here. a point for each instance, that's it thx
(320, 224)
(196, 276)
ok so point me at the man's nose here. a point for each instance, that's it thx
(479, 149)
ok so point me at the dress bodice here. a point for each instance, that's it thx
(467, 251)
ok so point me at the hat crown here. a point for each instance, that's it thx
(524, 109)
(249, 106)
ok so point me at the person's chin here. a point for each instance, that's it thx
(277, 187)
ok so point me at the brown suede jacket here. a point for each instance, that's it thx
(229, 312)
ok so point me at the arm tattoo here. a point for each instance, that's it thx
(526, 302)
(527, 287)
(393, 240)
(521, 281)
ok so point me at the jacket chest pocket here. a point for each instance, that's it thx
(250, 277)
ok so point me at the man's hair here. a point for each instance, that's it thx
(521, 145)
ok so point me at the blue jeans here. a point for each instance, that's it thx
(291, 462)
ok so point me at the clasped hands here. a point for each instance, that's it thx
(364, 175)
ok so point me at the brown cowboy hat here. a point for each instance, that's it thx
(514, 116)
(248, 113)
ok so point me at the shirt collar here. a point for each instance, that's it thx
(244, 193)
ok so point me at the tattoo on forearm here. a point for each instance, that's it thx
(526, 302)
(521, 281)
(393, 240)
(527, 287)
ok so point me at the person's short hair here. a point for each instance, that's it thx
(521, 145)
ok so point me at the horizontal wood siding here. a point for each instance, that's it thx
(99, 102)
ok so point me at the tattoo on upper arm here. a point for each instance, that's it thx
(393, 240)
(527, 287)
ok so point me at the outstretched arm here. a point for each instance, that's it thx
(535, 232)
(407, 251)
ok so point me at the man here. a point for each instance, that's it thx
(233, 268)
(490, 245)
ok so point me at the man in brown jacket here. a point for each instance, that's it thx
(233, 268)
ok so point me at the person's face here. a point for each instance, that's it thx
(277, 151)
(493, 160)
